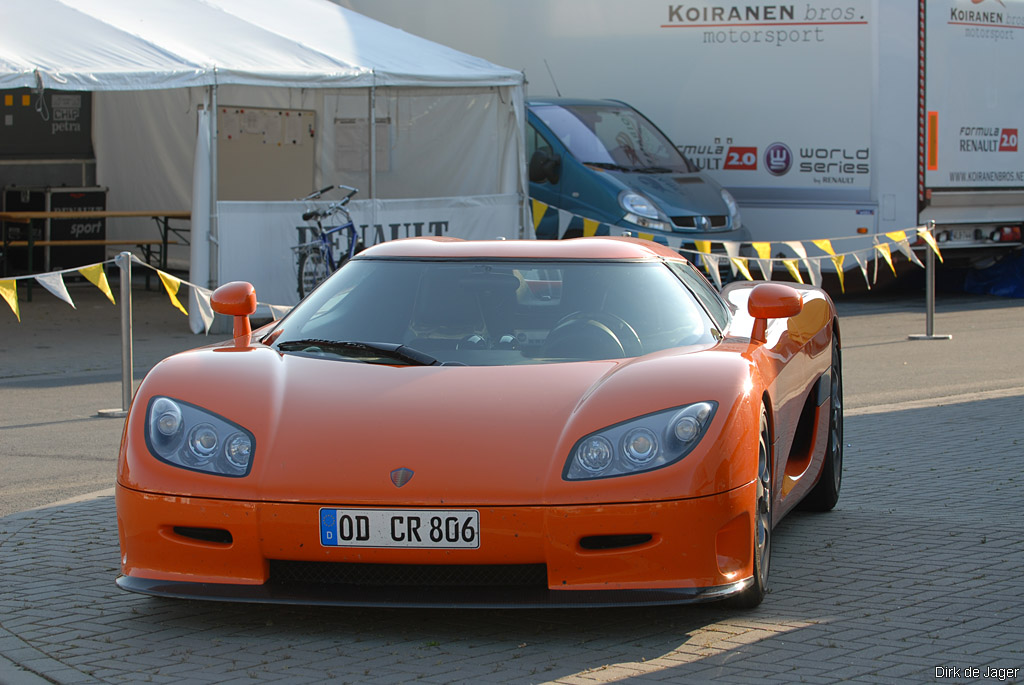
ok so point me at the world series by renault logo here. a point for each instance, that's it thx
(778, 159)
(401, 476)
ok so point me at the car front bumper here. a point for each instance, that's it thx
(698, 549)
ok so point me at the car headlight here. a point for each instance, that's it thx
(641, 444)
(642, 212)
(734, 208)
(184, 435)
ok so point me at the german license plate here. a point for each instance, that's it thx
(962, 235)
(431, 528)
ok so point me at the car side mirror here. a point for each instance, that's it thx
(545, 166)
(237, 299)
(771, 301)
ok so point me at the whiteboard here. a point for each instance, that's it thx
(265, 154)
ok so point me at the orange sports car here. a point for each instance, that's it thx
(488, 424)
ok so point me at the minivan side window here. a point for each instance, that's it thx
(535, 141)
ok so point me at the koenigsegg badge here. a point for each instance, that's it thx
(401, 476)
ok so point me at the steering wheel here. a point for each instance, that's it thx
(599, 334)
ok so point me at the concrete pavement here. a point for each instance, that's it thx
(917, 569)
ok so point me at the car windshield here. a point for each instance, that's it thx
(494, 312)
(614, 136)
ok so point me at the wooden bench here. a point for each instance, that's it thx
(150, 248)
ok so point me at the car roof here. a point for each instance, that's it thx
(574, 102)
(598, 248)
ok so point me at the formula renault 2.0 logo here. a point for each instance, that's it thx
(778, 159)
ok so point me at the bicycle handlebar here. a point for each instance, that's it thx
(314, 195)
(331, 208)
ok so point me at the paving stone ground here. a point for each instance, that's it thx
(914, 577)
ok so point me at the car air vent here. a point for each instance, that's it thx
(614, 541)
(423, 575)
(717, 221)
(218, 535)
(686, 180)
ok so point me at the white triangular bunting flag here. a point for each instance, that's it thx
(904, 246)
(711, 261)
(863, 267)
(200, 302)
(814, 269)
(801, 251)
(733, 250)
(279, 310)
(564, 218)
(55, 284)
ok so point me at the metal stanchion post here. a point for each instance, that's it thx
(124, 261)
(929, 300)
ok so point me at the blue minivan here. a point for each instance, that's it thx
(605, 161)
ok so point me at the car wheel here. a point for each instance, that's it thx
(753, 595)
(312, 272)
(825, 494)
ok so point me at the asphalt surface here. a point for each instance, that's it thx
(915, 572)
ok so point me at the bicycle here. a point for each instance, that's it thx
(316, 257)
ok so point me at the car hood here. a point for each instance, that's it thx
(331, 431)
(677, 194)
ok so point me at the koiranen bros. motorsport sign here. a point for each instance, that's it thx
(974, 113)
(795, 108)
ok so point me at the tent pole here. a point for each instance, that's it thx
(214, 270)
(373, 150)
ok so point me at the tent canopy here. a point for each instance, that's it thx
(111, 45)
(385, 103)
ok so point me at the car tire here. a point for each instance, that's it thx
(754, 594)
(825, 493)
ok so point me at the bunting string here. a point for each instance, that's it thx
(703, 256)
(53, 282)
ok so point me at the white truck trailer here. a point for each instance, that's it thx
(825, 119)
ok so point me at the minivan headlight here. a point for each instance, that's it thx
(642, 212)
(634, 203)
(190, 437)
(734, 208)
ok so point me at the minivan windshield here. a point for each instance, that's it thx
(613, 136)
(494, 312)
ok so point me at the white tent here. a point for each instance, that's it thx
(443, 124)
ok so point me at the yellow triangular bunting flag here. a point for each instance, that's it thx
(825, 245)
(838, 261)
(886, 253)
(95, 275)
(590, 227)
(764, 250)
(9, 291)
(741, 264)
(704, 248)
(794, 269)
(538, 212)
(925, 234)
(171, 285)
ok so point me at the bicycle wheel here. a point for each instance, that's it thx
(312, 272)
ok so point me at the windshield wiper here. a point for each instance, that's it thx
(396, 351)
(609, 166)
